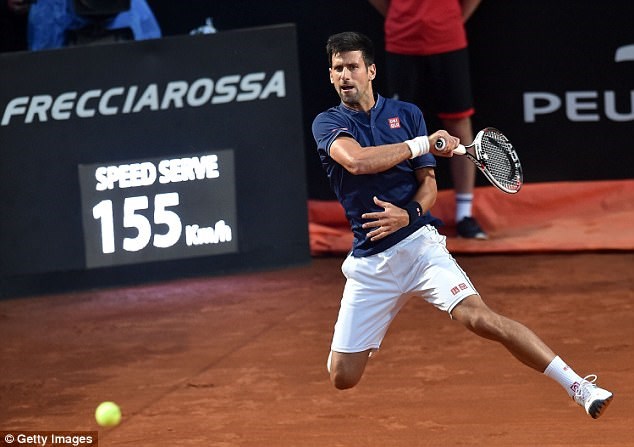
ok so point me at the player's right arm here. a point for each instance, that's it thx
(358, 160)
(346, 151)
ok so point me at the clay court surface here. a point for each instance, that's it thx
(240, 361)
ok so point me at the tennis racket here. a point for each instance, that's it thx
(495, 157)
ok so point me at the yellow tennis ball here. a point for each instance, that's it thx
(108, 414)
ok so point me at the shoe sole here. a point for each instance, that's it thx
(598, 407)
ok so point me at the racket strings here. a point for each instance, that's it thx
(497, 153)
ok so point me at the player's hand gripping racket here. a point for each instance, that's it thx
(494, 155)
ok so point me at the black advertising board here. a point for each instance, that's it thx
(118, 229)
(186, 150)
(558, 79)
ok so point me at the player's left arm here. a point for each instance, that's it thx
(393, 218)
(427, 191)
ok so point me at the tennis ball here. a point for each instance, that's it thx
(108, 414)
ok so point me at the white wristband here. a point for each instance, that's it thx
(418, 146)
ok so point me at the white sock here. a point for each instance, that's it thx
(564, 375)
(464, 203)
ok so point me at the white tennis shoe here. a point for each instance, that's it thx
(592, 398)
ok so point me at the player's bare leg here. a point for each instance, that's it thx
(346, 369)
(529, 349)
(463, 174)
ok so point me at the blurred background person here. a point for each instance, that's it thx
(60, 23)
(427, 63)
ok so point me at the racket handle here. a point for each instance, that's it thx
(441, 143)
(460, 150)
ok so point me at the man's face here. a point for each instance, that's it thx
(353, 80)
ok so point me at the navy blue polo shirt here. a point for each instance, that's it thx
(389, 121)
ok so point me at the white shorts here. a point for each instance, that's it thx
(378, 286)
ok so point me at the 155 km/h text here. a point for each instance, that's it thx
(160, 208)
(164, 216)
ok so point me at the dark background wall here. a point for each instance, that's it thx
(580, 128)
(61, 228)
(557, 47)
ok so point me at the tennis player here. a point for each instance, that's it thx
(380, 164)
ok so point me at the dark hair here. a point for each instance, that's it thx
(350, 41)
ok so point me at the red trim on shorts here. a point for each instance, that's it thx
(457, 115)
